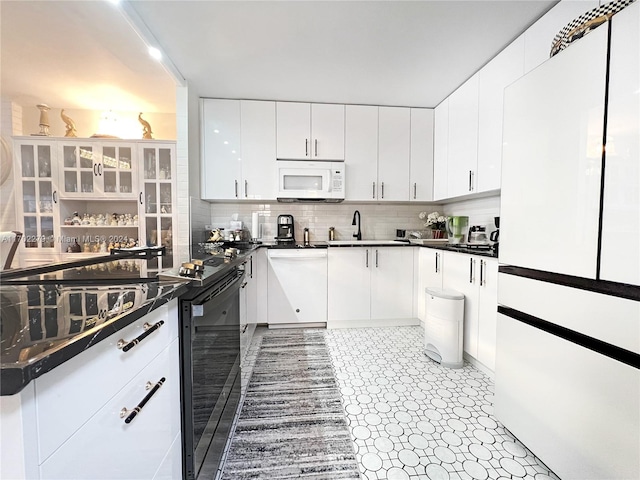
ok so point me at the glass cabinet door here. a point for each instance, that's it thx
(117, 171)
(36, 187)
(156, 197)
(79, 171)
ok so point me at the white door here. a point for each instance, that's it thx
(487, 311)
(391, 283)
(221, 150)
(258, 132)
(463, 139)
(421, 155)
(349, 284)
(393, 153)
(551, 163)
(293, 130)
(441, 150)
(503, 70)
(430, 263)
(462, 275)
(361, 152)
(327, 131)
(621, 215)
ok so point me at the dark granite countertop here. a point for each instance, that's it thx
(48, 318)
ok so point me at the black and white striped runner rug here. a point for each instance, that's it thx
(292, 424)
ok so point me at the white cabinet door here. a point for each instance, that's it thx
(539, 37)
(441, 150)
(621, 215)
(393, 153)
(221, 149)
(487, 311)
(297, 290)
(553, 127)
(258, 132)
(327, 131)
(293, 130)
(461, 275)
(503, 70)
(421, 151)
(119, 450)
(391, 282)
(430, 265)
(361, 152)
(463, 139)
(349, 290)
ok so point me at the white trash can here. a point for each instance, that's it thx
(444, 326)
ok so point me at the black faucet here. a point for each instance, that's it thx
(357, 236)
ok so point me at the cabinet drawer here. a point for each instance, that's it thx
(108, 448)
(70, 394)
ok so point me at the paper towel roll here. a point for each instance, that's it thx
(255, 225)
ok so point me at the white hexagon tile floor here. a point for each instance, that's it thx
(411, 418)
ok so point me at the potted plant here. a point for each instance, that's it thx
(436, 223)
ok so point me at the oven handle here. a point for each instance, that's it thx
(198, 303)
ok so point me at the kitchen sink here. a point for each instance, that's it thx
(337, 243)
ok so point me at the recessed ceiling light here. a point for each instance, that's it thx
(155, 53)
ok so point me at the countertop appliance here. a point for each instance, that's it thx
(286, 230)
(210, 353)
(457, 228)
(303, 181)
(478, 234)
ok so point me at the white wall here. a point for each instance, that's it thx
(378, 221)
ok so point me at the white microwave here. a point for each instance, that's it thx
(300, 181)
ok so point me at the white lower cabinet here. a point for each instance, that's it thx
(370, 286)
(476, 278)
(248, 305)
(297, 286)
(106, 447)
(71, 423)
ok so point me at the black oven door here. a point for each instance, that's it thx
(210, 343)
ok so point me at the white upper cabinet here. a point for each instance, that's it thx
(421, 160)
(503, 70)
(221, 171)
(441, 150)
(310, 131)
(258, 132)
(361, 152)
(394, 144)
(463, 139)
(551, 162)
(539, 37)
(621, 214)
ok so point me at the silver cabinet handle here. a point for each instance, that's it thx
(482, 273)
(367, 260)
(373, 195)
(415, 190)
(243, 285)
(437, 258)
(131, 414)
(469, 180)
(236, 188)
(471, 270)
(376, 258)
(246, 189)
(382, 186)
(251, 266)
(316, 147)
(306, 147)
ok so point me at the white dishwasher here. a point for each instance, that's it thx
(297, 287)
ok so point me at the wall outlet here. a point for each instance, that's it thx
(208, 227)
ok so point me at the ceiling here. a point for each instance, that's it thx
(72, 54)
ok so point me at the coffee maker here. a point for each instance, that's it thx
(286, 233)
(495, 235)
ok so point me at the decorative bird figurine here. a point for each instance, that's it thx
(146, 128)
(70, 125)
